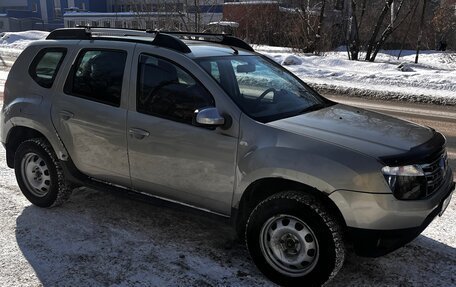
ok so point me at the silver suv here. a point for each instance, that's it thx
(203, 120)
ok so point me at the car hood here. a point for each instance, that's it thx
(371, 133)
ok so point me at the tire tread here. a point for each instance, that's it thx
(317, 206)
(64, 187)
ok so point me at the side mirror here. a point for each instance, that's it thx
(208, 117)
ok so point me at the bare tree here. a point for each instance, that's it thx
(375, 42)
(392, 26)
(354, 43)
(318, 35)
(172, 15)
(407, 31)
(309, 36)
(378, 25)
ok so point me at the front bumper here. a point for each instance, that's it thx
(380, 223)
(374, 243)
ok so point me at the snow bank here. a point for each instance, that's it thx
(20, 40)
(291, 60)
(433, 79)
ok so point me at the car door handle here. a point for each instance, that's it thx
(66, 115)
(138, 133)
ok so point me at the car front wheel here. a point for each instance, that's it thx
(294, 240)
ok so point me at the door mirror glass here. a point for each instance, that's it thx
(208, 117)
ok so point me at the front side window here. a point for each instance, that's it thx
(98, 76)
(263, 90)
(166, 90)
(45, 66)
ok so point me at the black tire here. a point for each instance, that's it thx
(39, 174)
(276, 239)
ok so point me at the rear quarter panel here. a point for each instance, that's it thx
(28, 104)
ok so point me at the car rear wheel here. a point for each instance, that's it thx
(294, 240)
(39, 174)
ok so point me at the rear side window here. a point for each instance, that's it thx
(98, 76)
(45, 66)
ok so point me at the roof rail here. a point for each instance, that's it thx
(224, 39)
(166, 39)
(87, 32)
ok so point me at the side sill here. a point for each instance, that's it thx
(73, 175)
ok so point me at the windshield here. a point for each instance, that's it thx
(262, 89)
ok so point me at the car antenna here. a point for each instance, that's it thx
(236, 52)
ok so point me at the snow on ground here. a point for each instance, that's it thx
(3, 76)
(105, 239)
(15, 42)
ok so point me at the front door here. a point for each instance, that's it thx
(169, 156)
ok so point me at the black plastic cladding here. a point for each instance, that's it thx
(170, 40)
(422, 154)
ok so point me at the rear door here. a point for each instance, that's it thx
(89, 110)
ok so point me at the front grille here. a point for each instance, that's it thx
(435, 173)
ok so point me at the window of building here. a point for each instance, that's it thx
(98, 76)
(166, 90)
(106, 24)
(118, 24)
(1, 24)
(70, 24)
(45, 66)
(94, 23)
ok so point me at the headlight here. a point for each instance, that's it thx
(406, 182)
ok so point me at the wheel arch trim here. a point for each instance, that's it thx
(275, 184)
(22, 129)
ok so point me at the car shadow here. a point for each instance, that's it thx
(101, 238)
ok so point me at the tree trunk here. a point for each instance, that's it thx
(381, 18)
(420, 34)
(389, 30)
(363, 11)
(317, 40)
(353, 43)
(407, 31)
